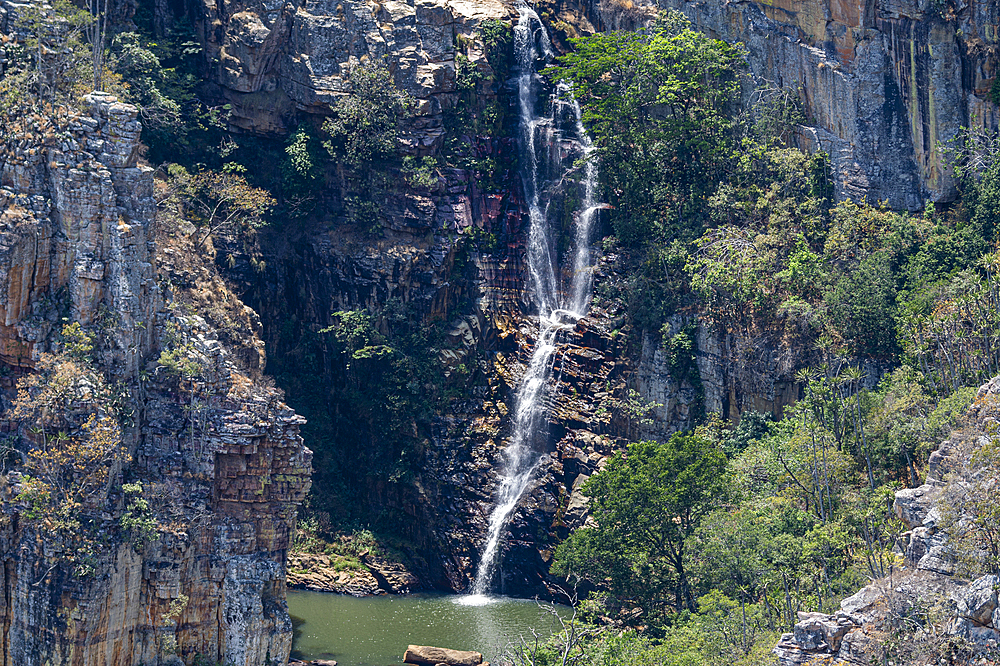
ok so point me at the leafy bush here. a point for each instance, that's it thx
(497, 38)
(422, 173)
(364, 127)
(162, 76)
(863, 305)
(137, 520)
(219, 200)
(146, 78)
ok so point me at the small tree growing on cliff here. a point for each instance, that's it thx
(74, 451)
(218, 200)
(365, 124)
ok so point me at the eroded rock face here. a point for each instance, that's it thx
(275, 59)
(75, 210)
(883, 82)
(929, 574)
(219, 455)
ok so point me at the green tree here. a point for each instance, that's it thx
(656, 104)
(217, 200)
(364, 127)
(863, 307)
(146, 78)
(646, 504)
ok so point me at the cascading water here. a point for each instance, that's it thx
(557, 309)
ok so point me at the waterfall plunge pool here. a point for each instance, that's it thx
(374, 631)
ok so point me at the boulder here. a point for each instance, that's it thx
(978, 601)
(913, 504)
(425, 655)
(819, 631)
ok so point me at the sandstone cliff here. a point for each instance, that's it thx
(427, 259)
(884, 82)
(274, 61)
(218, 454)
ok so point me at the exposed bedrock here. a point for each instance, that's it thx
(882, 85)
(218, 454)
(883, 81)
(275, 60)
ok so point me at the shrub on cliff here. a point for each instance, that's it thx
(219, 200)
(364, 127)
(73, 453)
(301, 172)
(147, 80)
(162, 77)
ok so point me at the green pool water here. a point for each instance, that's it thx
(374, 631)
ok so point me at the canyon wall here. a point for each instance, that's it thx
(427, 259)
(218, 454)
(884, 82)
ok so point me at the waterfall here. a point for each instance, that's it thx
(543, 148)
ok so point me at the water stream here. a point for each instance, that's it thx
(545, 148)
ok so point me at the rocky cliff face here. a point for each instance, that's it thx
(276, 60)
(427, 260)
(934, 603)
(219, 454)
(883, 82)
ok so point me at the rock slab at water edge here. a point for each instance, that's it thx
(432, 656)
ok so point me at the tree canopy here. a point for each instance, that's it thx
(646, 503)
(657, 105)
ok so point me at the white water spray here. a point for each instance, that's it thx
(557, 310)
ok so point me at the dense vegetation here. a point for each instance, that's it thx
(711, 541)
(719, 212)
(703, 546)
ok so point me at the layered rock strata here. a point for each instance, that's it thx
(278, 64)
(276, 60)
(884, 83)
(218, 454)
